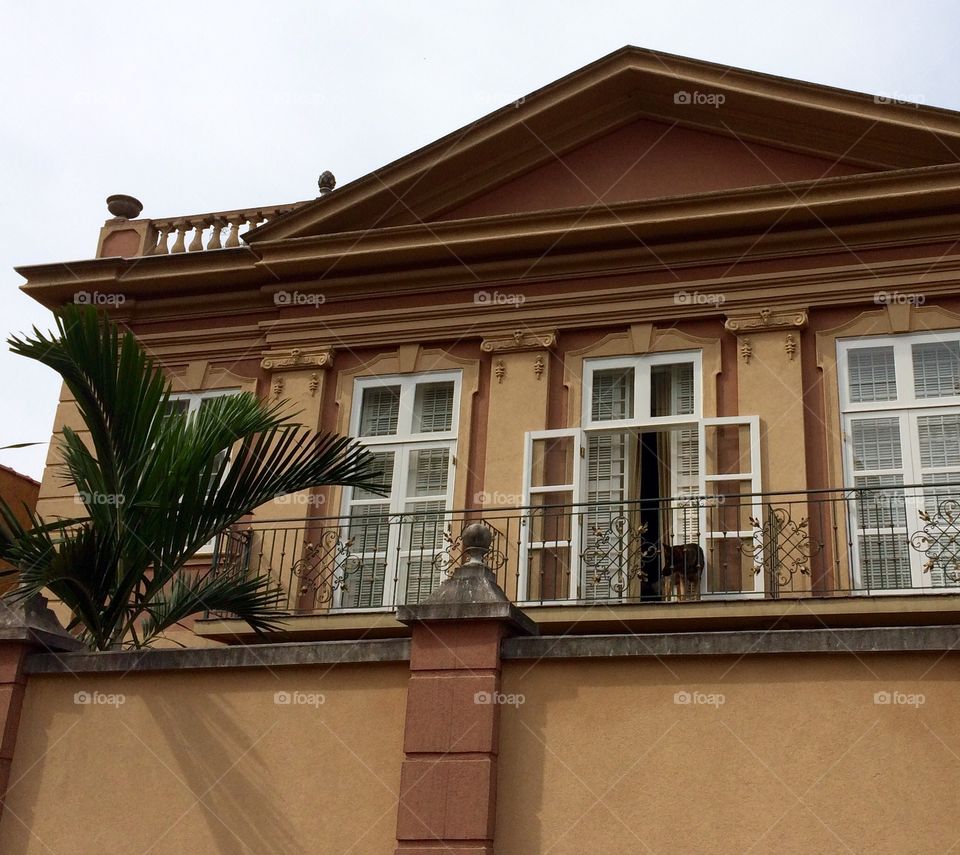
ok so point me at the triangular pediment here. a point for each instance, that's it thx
(635, 125)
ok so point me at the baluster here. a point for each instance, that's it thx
(214, 242)
(179, 243)
(161, 247)
(196, 245)
(233, 239)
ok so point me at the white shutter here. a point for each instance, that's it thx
(938, 448)
(871, 374)
(379, 410)
(936, 369)
(433, 407)
(612, 396)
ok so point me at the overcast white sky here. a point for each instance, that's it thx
(196, 106)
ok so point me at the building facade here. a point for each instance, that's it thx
(686, 338)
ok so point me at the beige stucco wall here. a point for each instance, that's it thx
(799, 758)
(207, 762)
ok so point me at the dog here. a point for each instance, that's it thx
(682, 572)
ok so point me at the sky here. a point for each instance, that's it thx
(195, 107)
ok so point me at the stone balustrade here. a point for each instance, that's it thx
(192, 233)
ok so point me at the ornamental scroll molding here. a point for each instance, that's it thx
(765, 320)
(294, 358)
(519, 340)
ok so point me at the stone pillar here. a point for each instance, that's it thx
(448, 782)
(25, 627)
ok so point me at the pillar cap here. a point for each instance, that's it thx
(471, 593)
(32, 622)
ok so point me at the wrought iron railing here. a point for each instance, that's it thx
(865, 540)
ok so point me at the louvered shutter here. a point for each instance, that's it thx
(938, 441)
(433, 408)
(877, 452)
(612, 394)
(936, 369)
(607, 486)
(379, 411)
(422, 537)
(871, 374)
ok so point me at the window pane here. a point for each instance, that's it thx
(939, 440)
(379, 411)
(429, 468)
(552, 461)
(671, 389)
(382, 467)
(433, 407)
(178, 405)
(612, 394)
(872, 374)
(876, 444)
(936, 369)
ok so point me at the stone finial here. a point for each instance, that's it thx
(476, 540)
(31, 620)
(124, 207)
(326, 182)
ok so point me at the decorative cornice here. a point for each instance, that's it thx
(519, 340)
(288, 360)
(767, 319)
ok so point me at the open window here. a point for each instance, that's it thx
(409, 424)
(605, 500)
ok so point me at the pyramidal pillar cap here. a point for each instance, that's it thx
(472, 592)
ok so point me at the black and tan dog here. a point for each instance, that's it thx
(682, 572)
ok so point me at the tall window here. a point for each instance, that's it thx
(188, 403)
(900, 398)
(642, 442)
(409, 423)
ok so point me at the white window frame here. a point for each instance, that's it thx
(401, 444)
(906, 409)
(194, 401)
(642, 386)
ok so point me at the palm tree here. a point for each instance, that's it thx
(156, 486)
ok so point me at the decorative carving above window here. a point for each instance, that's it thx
(288, 360)
(519, 340)
(767, 319)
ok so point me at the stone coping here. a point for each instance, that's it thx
(247, 656)
(741, 643)
(738, 643)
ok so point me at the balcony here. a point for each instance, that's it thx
(672, 552)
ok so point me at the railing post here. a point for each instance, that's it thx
(25, 627)
(449, 777)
